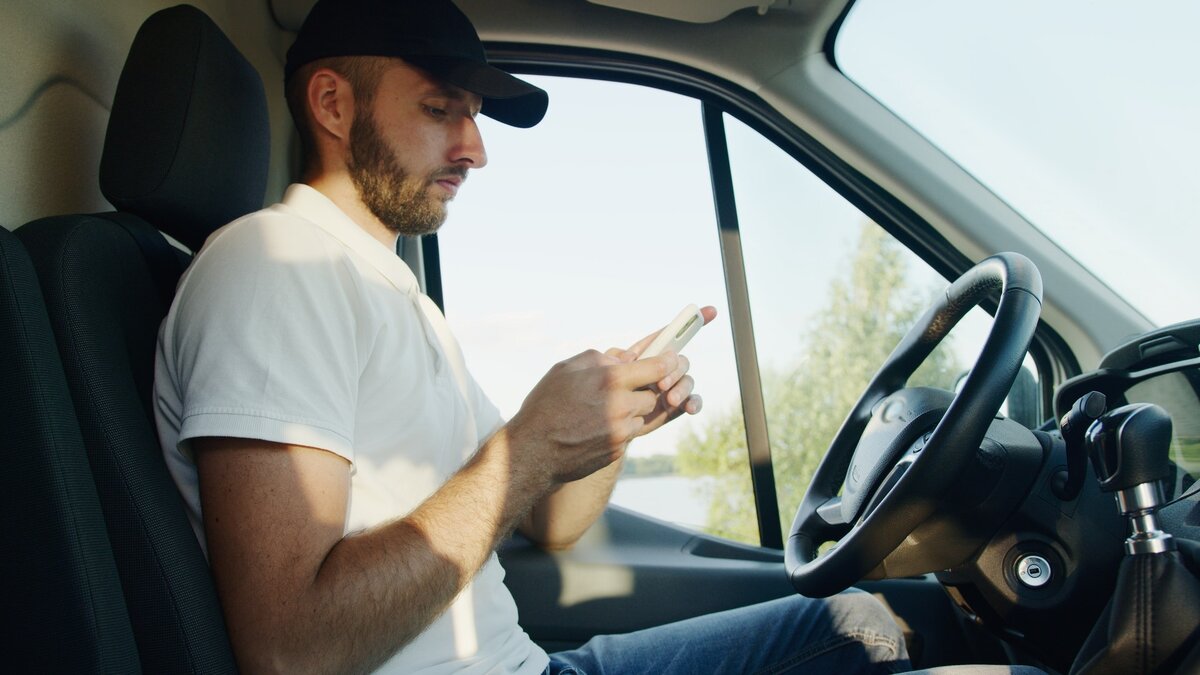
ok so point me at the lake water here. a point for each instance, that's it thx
(682, 500)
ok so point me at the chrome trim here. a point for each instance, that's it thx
(1141, 497)
(1034, 571)
(1147, 537)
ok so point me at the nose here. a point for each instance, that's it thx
(470, 151)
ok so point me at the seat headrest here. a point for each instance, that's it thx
(188, 141)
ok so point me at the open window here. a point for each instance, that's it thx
(628, 202)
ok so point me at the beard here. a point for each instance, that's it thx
(402, 203)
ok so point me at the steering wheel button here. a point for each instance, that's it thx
(919, 444)
(1033, 571)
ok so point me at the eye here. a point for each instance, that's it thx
(435, 112)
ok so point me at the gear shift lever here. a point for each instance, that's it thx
(1130, 448)
(1149, 625)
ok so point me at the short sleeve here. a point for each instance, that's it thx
(487, 415)
(265, 337)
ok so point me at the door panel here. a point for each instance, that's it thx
(631, 572)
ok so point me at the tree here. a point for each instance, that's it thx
(869, 310)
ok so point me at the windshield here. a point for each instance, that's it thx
(1081, 114)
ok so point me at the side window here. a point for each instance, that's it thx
(1178, 394)
(595, 227)
(591, 230)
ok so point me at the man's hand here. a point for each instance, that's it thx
(675, 389)
(583, 413)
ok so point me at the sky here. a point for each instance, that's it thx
(1081, 114)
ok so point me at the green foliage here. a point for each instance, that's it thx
(868, 311)
(644, 467)
(1186, 453)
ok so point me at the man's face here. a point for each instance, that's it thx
(410, 150)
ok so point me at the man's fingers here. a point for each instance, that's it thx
(645, 372)
(623, 355)
(678, 394)
(691, 406)
(643, 403)
(662, 415)
(677, 375)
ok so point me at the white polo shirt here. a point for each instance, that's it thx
(294, 325)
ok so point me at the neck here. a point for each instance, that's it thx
(341, 191)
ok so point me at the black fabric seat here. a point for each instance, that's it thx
(63, 607)
(186, 151)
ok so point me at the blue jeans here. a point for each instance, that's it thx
(848, 633)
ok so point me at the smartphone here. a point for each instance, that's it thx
(677, 333)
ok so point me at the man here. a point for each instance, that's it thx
(348, 478)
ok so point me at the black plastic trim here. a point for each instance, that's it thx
(828, 46)
(754, 409)
(432, 261)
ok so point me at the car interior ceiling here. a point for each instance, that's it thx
(82, 296)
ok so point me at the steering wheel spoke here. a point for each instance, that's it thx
(887, 485)
(831, 514)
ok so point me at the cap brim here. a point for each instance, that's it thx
(506, 98)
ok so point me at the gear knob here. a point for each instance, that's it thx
(1130, 451)
(1130, 446)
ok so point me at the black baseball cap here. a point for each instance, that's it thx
(433, 35)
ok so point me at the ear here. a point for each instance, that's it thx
(331, 104)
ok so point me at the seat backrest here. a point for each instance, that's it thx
(185, 152)
(64, 611)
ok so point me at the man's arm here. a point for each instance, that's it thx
(289, 581)
(561, 517)
(301, 597)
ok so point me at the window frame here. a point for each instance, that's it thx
(1053, 358)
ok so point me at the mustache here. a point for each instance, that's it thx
(459, 172)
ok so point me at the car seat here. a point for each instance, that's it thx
(186, 150)
(64, 611)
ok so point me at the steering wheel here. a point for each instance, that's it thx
(891, 468)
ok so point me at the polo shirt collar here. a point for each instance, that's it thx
(312, 205)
